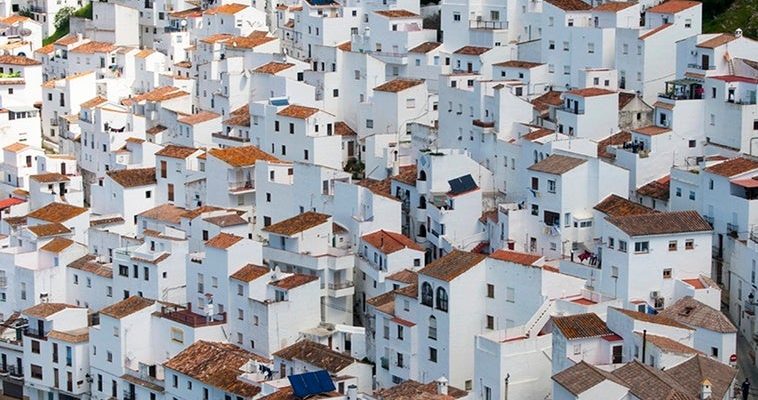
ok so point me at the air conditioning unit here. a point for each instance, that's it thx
(654, 294)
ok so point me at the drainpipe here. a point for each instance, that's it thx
(644, 344)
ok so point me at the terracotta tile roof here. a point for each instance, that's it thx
(217, 365)
(316, 354)
(57, 245)
(223, 241)
(661, 223)
(625, 98)
(550, 98)
(145, 53)
(219, 37)
(653, 31)
(384, 302)
(176, 151)
(691, 373)
(49, 177)
(45, 230)
(617, 206)
(343, 129)
(425, 47)
(47, 49)
(397, 13)
(590, 92)
(516, 257)
(732, 167)
(570, 5)
(652, 130)
(390, 242)
(614, 6)
(518, 64)
(164, 212)
(188, 13)
(408, 291)
(156, 129)
(93, 47)
(16, 147)
(735, 78)
(653, 319)
(297, 111)
(381, 188)
(12, 19)
(451, 265)
(127, 307)
(658, 189)
(405, 276)
(673, 6)
(158, 94)
(581, 326)
(223, 221)
(398, 85)
(44, 310)
(67, 40)
(413, 390)
(239, 117)
(130, 178)
(231, 8)
(537, 134)
(581, 377)
(407, 175)
(293, 281)
(613, 140)
(346, 46)
(472, 50)
(273, 68)
(8, 59)
(76, 336)
(202, 116)
(89, 263)
(667, 344)
(144, 383)
(250, 272)
(648, 383)
(241, 156)
(691, 312)
(94, 102)
(15, 221)
(298, 223)
(251, 41)
(196, 212)
(557, 164)
(56, 212)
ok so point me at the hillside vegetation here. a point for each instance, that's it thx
(728, 15)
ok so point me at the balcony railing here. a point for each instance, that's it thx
(221, 135)
(341, 285)
(701, 67)
(480, 24)
(241, 186)
(732, 230)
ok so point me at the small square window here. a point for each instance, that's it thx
(672, 245)
(667, 273)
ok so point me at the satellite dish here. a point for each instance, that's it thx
(24, 32)
(183, 22)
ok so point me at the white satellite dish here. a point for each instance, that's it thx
(183, 22)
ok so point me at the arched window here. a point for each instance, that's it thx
(422, 175)
(441, 299)
(422, 202)
(427, 294)
(422, 231)
(432, 328)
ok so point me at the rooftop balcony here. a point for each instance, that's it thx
(482, 24)
(237, 139)
(186, 316)
(683, 89)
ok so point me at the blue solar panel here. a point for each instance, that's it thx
(311, 383)
(280, 102)
(462, 184)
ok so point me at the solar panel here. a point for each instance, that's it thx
(311, 383)
(462, 184)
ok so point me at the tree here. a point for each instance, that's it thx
(62, 17)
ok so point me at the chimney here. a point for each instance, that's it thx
(352, 392)
(705, 389)
(442, 386)
(738, 33)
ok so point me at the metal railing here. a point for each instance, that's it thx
(481, 24)
(701, 67)
(341, 285)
